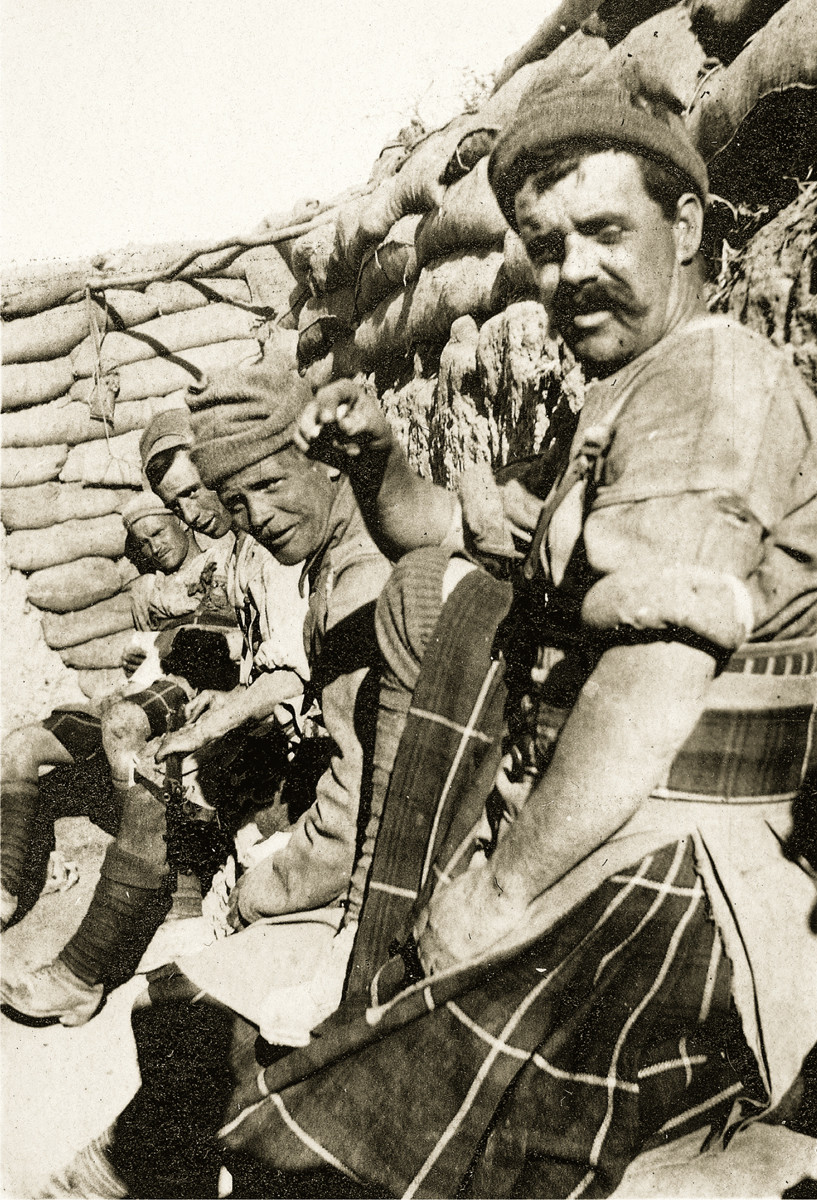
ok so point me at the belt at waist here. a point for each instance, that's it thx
(756, 740)
(207, 620)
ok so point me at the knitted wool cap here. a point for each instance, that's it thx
(144, 504)
(168, 430)
(634, 115)
(245, 414)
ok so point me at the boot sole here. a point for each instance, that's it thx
(14, 1014)
(23, 1018)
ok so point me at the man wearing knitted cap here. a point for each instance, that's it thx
(302, 512)
(93, 760)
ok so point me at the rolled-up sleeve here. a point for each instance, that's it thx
(705, 516)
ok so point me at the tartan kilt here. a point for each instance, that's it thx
(541, 1076)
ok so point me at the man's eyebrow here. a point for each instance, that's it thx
(601, 220)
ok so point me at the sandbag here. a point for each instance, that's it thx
(216, 322)
(565, 20)
(75, 585)
(72, 422)
(523, 377)
(582, 53)
(388, 162)
(35, 549)
(388, 267)
(782, 57)
(577, 55)
(24, 467)
(162, 376)
(517, 272)
(459, 426)
(615, 19)
(46, 335)
(313, 262)
(339, 304)
(50, 503)
(407, 409)
(468, 217)
(665, 49)
(99, 620)
(423, 312)
(103, 652)
(26, 384)
(342, 362)
(513, 349)
(469, 150)
(416, 188)
(174, 295)
(128, 306)
(723, 26)
(322, 322)
(103, 682)
(32, 291)
(269, 279)
(110, 463)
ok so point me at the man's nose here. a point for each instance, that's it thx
(580, 262)
(188, 509)
(258, 509)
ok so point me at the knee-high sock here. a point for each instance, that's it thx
(406, 616)
(115, 931)
(18, 807)
(131, 898)
(26, 840)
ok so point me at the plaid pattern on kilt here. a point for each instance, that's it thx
(448, 755)
(544, 1074)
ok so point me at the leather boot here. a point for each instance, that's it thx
(48, 995)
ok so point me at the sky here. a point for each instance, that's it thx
(157, 120)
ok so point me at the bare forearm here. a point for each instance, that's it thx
(252, 703)
(633, 714)
(402, 510)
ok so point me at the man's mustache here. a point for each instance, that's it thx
(570, 302)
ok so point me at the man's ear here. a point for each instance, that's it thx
(688, 227)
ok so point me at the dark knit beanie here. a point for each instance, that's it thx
(245, 414)
(632, 115)
(168, 430)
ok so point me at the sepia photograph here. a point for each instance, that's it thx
(408, 543)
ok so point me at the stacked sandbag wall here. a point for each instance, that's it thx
(413, 280)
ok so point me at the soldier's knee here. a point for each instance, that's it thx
(409, 607)
(125, 732)
(27, 749)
